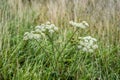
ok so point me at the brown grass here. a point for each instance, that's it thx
(102, 15)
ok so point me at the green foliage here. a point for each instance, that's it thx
(57, 57)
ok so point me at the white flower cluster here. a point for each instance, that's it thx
(82, 25)
(31, 35)
(51, 28)
(87, 44)
(40, 31)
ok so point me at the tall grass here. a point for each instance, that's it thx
(22, 60)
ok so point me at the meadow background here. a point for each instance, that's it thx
(20, 60)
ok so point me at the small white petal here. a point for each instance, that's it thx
(36, 36)
(85, 49)
(30, 36)
(90, 50)
(25, 38)
(95, 46)
(80, 25)
(94, 39)
(38, 27)
(85, 23)
(51, 31)
(26, 33)
(79, 47)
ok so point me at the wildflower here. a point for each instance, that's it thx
(85, 49)
(51, 28)
(51, 31)
(90, 50)
(36, 36)
(95, 46)
(27, 36)
(56, 28)
(40, 31)
(85, 23)
(31, 35)
(87, 44)
(82, 25)
(40, 28)
(79, 46)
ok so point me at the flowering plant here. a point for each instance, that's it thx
(40, 31)
(85, 44)
(59, 49)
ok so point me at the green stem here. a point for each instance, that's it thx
(51, 41)
(67, 43)
(41, 47)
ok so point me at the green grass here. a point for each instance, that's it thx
(31, 60)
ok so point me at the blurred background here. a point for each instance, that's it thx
(18, 16)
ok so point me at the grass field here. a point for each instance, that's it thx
(55, 56)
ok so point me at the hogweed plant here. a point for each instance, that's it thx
(45, 33)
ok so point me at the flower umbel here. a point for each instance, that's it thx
(31, 35)
(82, 25)
(48, 27)
(40, 31)
(87, 44)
